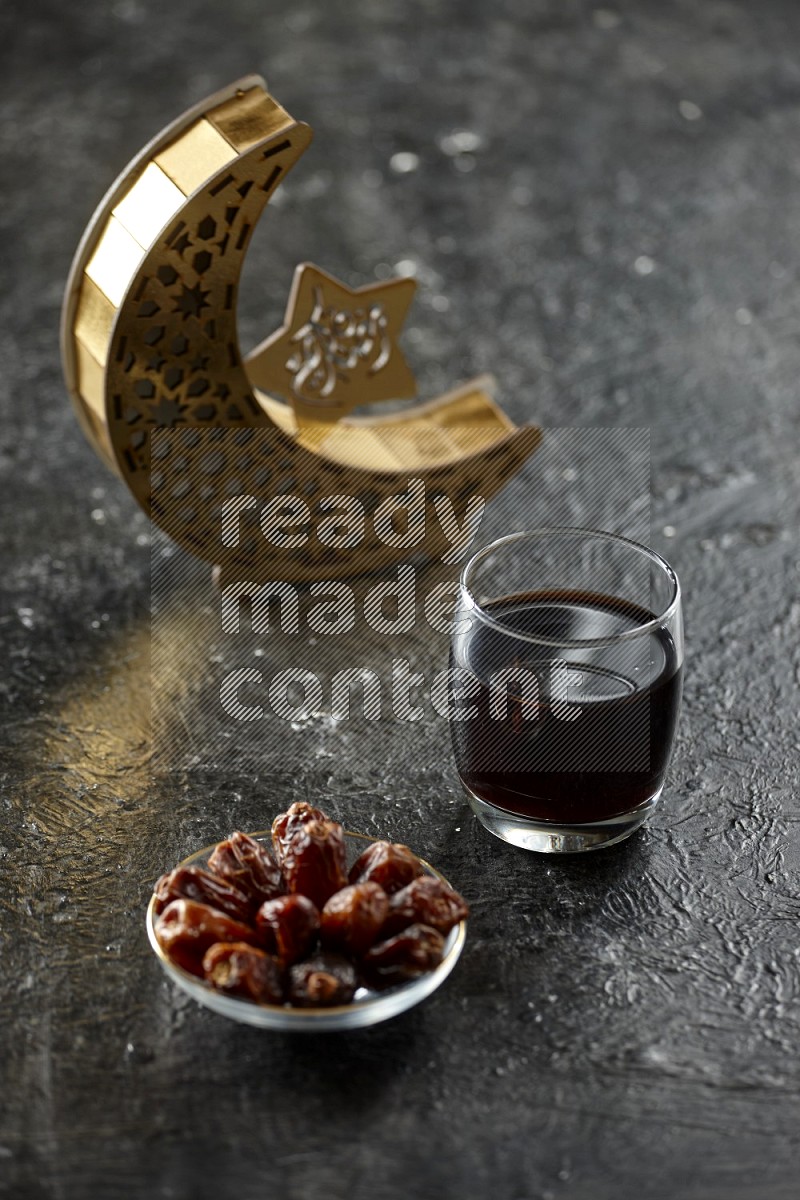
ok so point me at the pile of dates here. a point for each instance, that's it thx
(297, 928)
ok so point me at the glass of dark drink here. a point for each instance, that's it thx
(565, 686)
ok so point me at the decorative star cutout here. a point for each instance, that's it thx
(337, 347)
(191, 301)
(166, 412)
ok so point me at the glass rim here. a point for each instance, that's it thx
(655, 622)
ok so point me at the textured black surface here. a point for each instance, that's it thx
(621, 248)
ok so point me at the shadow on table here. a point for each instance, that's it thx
(330, 1077)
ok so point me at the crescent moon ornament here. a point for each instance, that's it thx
(152, 363)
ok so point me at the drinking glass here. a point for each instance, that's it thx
(565, 686)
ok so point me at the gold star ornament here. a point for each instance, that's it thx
(337, 347)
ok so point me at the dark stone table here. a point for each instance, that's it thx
(602, 206)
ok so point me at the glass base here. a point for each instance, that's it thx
(548, 837)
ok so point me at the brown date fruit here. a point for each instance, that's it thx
(321, 981)
(249, 865)
(193, 883)
(314, 861)
(288, 926)
(242, 970)
(387, 863)
(425, 901)
(410, 953)
(286, 825)
(186, 929)
(352, 918)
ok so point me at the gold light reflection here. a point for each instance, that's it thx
(112, 731)
(148, 205)
(116, 257)
(197, 154)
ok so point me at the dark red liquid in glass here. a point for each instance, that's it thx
(520, 753)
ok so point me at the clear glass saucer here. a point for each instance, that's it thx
(367, 1007)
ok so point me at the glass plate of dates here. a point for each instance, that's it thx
(306, 927)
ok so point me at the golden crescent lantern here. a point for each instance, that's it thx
(152, 360)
